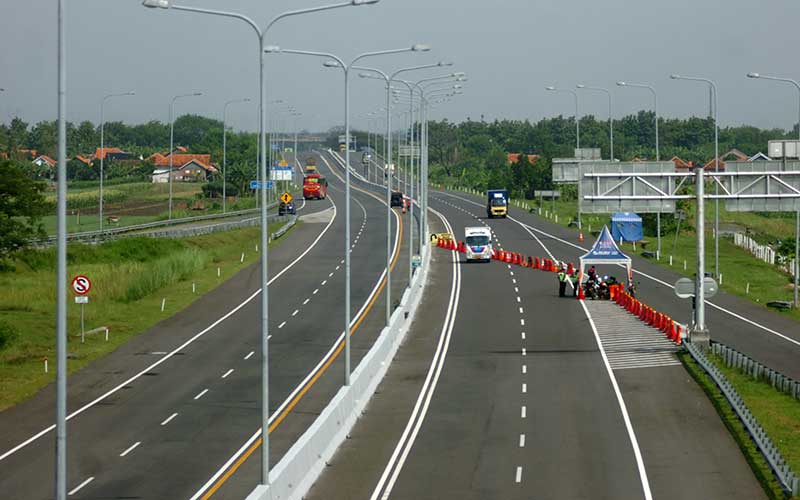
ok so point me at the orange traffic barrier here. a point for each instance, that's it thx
(537, 263)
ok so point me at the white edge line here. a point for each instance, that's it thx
(176, 350)
(169, 419)
(249, 355)
(201, 394)
(648, 495)
(225, 375)
(78, 488)
(133, 447)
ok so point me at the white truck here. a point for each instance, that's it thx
(478, 241)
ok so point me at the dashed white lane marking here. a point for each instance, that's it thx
(249, 355)
(306, 301)
(524, 388)
(514, 280)
(524, 352)
(524, 368)
(225, 375)
(518, 479)
(315, 291)
(523, 413)
(78, 488)
(523, 335)
(133, 447)
(338, 267)
(202, 393)
(323, 282)
(330, 274)
(519, 300)
(295, 312)
(341, 262)
(281, 325)
(169, 419)
(522, 321)
(522, 440)
(520, 311)
(516, 290)
(509, 266)
(512, 273)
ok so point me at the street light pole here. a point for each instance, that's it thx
(261, 34)
(610, 115)
(716, 165)
(225, 150)
(336, 61)
(658, 155)
(577, 120)
(171, 138)
(103, 147)
(797, 215)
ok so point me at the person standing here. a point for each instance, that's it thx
(562, 282)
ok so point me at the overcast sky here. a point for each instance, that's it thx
(510, 50)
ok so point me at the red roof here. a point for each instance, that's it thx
(712, 165)
(514, 158)
(100, 153)
(49, 161)
(83, 159)
(679, 163)
(179, 160)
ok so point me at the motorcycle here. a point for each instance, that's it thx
(591, 289)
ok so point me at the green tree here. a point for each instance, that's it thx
(22, 204)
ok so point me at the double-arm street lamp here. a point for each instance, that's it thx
(170, 174)
(577, 119)
(337, 62)
(797, 223)
(103, 146)
(716, 169)
(658, 155)
(225, 149)
(261, 35)
(610, 115)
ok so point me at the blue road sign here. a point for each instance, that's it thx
(258, 184)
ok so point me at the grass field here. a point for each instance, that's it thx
(129, 276)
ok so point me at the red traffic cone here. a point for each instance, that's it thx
(537, 263)
(530, 261)
(580, 236)
(581, 295)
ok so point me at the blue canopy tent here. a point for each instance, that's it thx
(626, 226)
(605, 251)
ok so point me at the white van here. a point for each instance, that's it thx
(478, 241)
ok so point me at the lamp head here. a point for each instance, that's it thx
(674, 77)
(753, 75)
(420, 47)
(272, 49)
(197, 94)
(580, 86)
(246, 99)
(621, 84)
(132, 92)
(442, 64)
(550, 88)
(363, 2)
(157, 4)
(332, 64)
(458, 74)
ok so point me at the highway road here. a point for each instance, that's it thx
(165, 415)
(510, 394)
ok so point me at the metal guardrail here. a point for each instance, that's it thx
(751, 367)
(106, 233)
(789, 480)
(283, 229)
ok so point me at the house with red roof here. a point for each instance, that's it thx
(514, 158)
(44, 160)
(186, 167)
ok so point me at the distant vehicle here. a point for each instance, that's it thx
(315, 186)
(497, 203)
(397, 199)
(478, 241)
(286, 208)
(311, 169)
(366, 157)
(311, 165)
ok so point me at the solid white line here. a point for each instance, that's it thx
(295, 312)
(227, 373)
(518, 479)
(281, 325)
(169, 419)
(249, 355)
(177, 349)
(417, 417)
(631, 434)
(306, 301)
(523, 412)
(524, 388)
(77, 488)
(522, 440)
(315, 291)
(202, 393)
(133, 447)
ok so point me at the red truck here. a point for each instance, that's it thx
(315, 186)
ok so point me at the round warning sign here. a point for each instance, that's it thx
(81, 284)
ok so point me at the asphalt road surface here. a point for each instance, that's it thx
(516, 401)
(161, 416)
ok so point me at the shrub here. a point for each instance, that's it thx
(8, 334)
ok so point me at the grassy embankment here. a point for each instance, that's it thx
(130, 277)
(778, 414)
(737, 266)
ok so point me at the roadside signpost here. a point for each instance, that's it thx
(81, 285)
(286, 198)
(259, 184)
